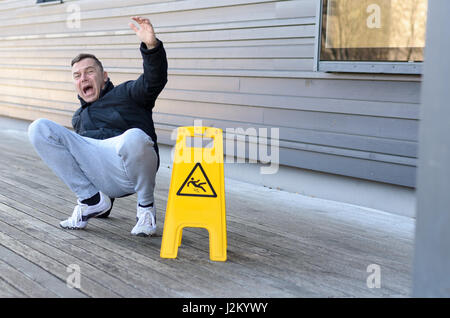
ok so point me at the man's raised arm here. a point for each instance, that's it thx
(147, 87)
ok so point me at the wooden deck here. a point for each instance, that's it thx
(279, 244)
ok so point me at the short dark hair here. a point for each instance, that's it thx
(83, 56)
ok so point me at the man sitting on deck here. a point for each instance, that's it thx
(114, 151)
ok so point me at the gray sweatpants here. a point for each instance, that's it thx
(116, 166)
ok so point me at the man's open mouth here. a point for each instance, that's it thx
(88, 90)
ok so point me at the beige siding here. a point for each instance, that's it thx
(232, 63)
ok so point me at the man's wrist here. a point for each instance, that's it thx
(151, 45)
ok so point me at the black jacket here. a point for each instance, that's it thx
(128, 105)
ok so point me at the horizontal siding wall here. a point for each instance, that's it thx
(232, 63)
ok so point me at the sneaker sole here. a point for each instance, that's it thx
(142, 234)
(72, 228)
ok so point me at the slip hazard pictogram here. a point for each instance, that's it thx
(197, 184)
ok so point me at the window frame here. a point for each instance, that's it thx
(48, 2)
(413, 68)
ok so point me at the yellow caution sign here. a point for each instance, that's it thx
(197, 192)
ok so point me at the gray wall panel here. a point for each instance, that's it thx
(360, 168)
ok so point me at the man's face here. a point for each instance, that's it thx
(89, 79)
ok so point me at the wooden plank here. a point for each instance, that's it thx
(247, 231)
(394, 109)
(27, 83)
(404, 175)
(367, 90)
(267, 64)
(8, 5)
(161, 30)
(94, 44)
(316, 140)
(46, 190)
(194, 274)
(88, 261)
(8, 291)
(260, 277)
(161, 15)
(401, 112)
(134, 72)
(371, 144)
(39, 93)
(48, 263)
(29, 8)
(346, 163)
(62, 74)
(390, 169)
(59, 12)
(331, 122)
(175, 98)
(212, 110)
(395, 128)
(201, 83)
(363, 107)
(399, 94)
(282, 229)
(37, 275)
(23, 283)
(224, 52)
(327, 122)
(242, 35)
(313, 137)
(49, 242)
(41, 103)
(261, 99)
(289, 9)
(364, 143)
(269, 253)
(118, 68)
(205, 248)
(96, 257)
(103, 244)
(31, 113)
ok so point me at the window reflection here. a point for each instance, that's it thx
(374, 30)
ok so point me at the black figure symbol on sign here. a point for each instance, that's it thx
(197, 184)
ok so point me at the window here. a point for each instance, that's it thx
(375, 36)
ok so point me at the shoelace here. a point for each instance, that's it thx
(146, 218)
(76, 215)
(152, 220)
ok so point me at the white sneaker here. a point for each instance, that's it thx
(146, 221)
(83, 212)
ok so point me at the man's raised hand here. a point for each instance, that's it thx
(145, 32)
